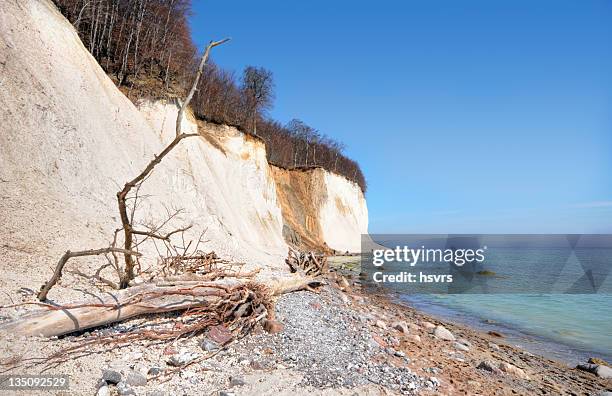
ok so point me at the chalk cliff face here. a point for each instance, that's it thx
(69, 140)
(321, 210)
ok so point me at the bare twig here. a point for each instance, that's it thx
(42, 294)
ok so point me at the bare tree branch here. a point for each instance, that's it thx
(42, 294)
(194, 87)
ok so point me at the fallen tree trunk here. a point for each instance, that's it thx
(136, 301)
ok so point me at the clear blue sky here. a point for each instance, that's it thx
(466, 116)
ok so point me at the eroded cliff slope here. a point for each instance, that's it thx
(321, 210)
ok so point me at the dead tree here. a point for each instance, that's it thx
(164, 296)
(128, 229)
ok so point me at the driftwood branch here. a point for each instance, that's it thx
(194, 87)
(128, 231)
(143, 299)
(306, 264)
(57, 274)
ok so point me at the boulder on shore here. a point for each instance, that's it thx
(443, 333)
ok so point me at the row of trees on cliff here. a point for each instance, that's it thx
(146, 46)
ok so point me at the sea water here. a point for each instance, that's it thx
(560, 308)
(566, 327)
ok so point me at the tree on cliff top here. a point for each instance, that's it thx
(258, 90)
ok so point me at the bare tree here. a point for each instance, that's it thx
(258, 88)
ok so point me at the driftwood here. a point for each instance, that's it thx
(144, 299)
(57, 274)
(306, 263)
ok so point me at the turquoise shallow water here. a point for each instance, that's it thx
(570, 328)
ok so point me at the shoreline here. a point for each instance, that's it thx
(340, 341)
(540, 344)
(521, 338)
(459, 368)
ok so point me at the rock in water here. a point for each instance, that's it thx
(442, 333)
(595, 360)
(597, 369)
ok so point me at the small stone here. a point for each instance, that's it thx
(413, 327)
(226, 393)
(413, 337)
(154, 370)
(209, 345)
(464, 342)
(603, 371)
(343, 283)
(429, 325)
(103, 391)
(156, 393)
(495, 334)
(434, 381)
(220, 334)
(256, 365)
(442, 333)
(236, 381)
(124, 389)
(381, 325)
(134, 378)
(461, 347)
(141, 368)
(511, 369)
(400, 354)
(494, 346)
(604, 393)
(488, 365)
(111, 376)
(596, 360)
(402, 327)
(182, 359)
(273, 326)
